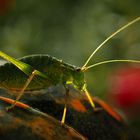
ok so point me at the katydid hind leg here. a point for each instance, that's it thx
(26, 68)
(21, 93)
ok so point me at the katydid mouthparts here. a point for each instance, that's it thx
(36, 72)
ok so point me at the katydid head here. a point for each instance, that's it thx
(85, 67)
(79, 79)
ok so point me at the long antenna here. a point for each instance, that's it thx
(111, 36)
(109, 61)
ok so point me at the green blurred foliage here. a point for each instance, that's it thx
(71, 30)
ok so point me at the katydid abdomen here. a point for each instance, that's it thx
(56, 72)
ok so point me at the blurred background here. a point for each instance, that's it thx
(70, 30)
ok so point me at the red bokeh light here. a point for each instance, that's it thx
(124, 88)
(5, 5)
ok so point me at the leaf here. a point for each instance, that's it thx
(25, 123)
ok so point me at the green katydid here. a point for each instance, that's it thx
(36, 72)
